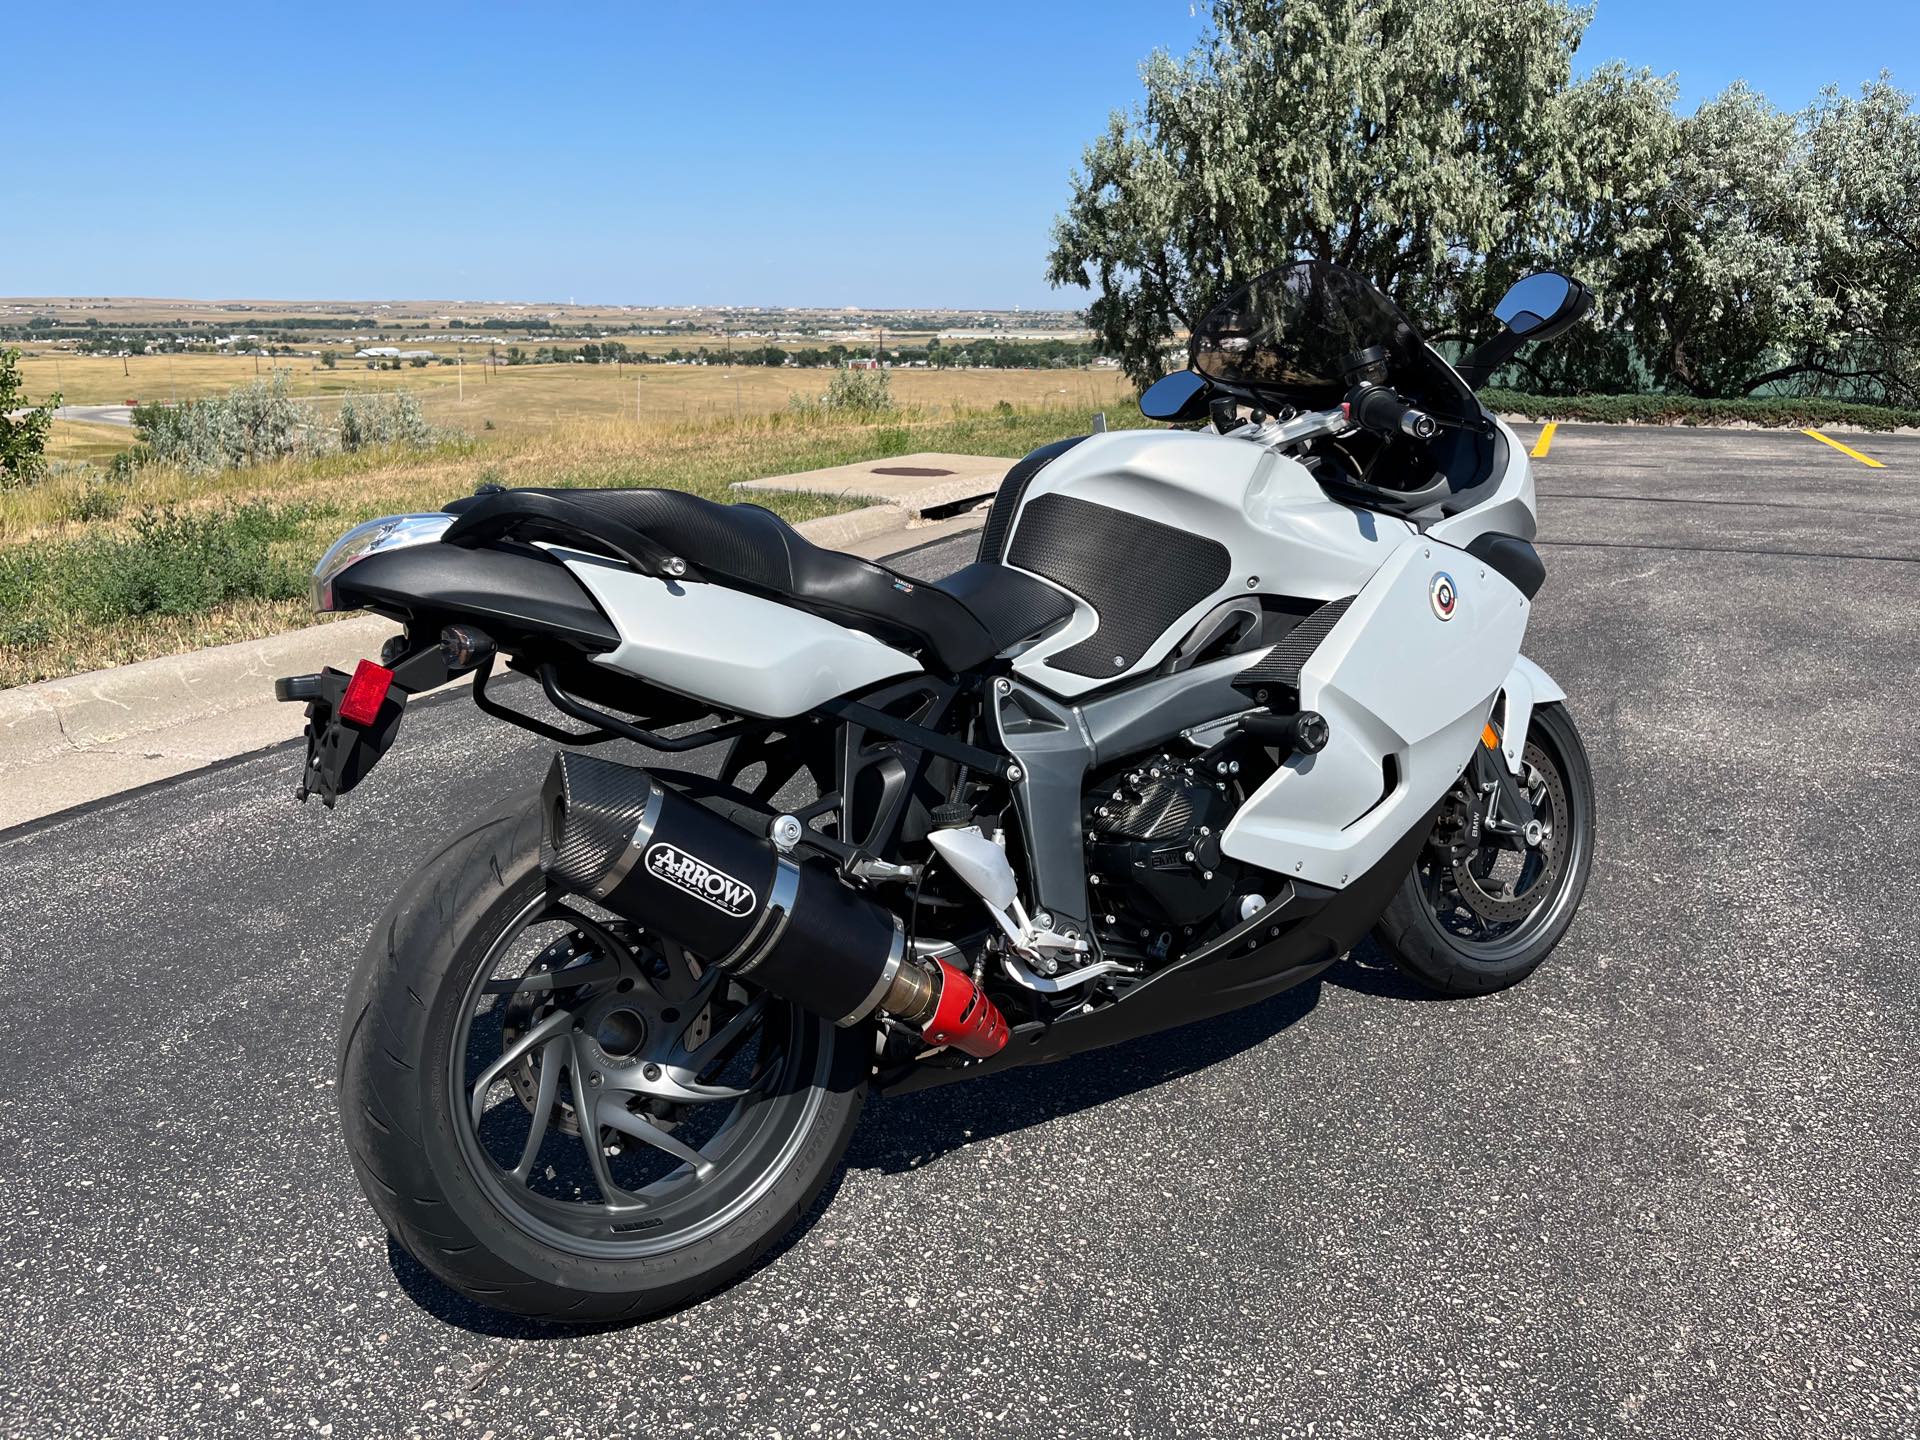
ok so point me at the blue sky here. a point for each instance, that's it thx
(778, 153)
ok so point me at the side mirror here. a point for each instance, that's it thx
(1536, 308)
(1543, 305)
(1177, 398)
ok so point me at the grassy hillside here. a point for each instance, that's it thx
(96, 573)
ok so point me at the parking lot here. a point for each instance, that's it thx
(1667, 1187)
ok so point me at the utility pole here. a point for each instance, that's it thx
(460, 371)
(732, 372)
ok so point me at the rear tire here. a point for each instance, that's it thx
(1435, 945)
(412, 1002)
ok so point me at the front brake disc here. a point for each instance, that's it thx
(1503, 885)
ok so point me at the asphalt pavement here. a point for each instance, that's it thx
(1667, 1187)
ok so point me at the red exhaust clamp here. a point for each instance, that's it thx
(964, 1017)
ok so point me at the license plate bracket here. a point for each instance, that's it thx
(339, 754)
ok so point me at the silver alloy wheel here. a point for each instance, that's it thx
(701, 1091)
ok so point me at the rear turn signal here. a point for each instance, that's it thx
(365, 694)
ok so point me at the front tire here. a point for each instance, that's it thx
(1478, 914)
(715, 1114)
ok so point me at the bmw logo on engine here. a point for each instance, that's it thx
(1442, 595)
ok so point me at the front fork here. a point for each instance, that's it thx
(1503, 799)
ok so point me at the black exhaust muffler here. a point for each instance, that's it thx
(644, 851)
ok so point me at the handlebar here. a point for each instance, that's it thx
(1380, 410)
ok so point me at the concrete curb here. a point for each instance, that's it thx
(65, 742)
(106, 706)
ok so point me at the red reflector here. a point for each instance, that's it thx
(365, 693)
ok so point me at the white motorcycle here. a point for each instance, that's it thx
(1211, 704)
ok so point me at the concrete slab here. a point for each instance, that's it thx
(918, 483)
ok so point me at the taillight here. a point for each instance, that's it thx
(365, 693)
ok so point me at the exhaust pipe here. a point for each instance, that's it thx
(617, 836)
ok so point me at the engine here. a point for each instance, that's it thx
(1153, 831)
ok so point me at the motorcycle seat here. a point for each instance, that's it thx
(960, 621)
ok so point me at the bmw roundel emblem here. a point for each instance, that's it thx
(1442, 595)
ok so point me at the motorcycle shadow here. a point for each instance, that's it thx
(905, 1132)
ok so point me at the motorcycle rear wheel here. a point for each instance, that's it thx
(1473, 924)
(718, 1113)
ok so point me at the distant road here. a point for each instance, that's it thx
(96, 414)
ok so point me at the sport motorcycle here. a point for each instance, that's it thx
(1216, 700)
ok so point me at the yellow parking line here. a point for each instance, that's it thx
(1545, 442)
(1844, 449)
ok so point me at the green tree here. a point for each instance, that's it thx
(329, 359)
(23, 429)
(1425, 143)
(1865, 152)
(1723, 271)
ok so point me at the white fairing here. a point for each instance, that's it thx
(734, 650)
(1282, 533)
(1527, 686)
(1393, 679)
(1508, 510)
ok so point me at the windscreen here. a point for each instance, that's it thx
(1294, 333)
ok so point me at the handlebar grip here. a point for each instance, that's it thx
(1380, 410)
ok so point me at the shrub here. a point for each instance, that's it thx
(25, 631)
(246, 426)
(23, 432)
(849, 392)
(382, 420)
(179, 562)
(94, 501)
(1790, 412)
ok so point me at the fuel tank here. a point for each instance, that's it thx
(1149, 530)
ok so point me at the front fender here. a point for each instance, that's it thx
(1527, 686)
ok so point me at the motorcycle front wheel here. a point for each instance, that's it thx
(564, 1117)
(1481, 909)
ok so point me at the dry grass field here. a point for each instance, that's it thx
(97, 572)
(540, 398)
